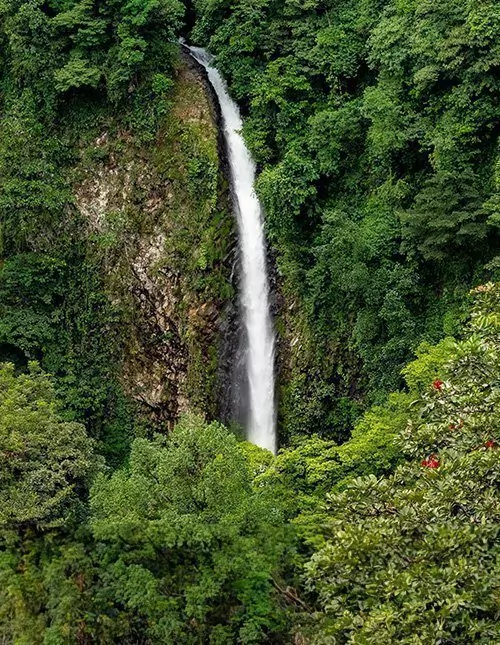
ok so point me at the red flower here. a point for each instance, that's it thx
(431, 462)
(453, 426)
(491, 443)
(437, 384)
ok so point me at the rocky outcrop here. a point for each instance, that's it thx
(161, 218)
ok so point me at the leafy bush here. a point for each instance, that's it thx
(81, 44)
(312, 466)
(180, 547)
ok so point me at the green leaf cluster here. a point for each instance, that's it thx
(57, 47)
(191, 545)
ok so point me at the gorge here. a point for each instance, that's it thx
(361, 505)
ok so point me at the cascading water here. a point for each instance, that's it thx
(255, 286)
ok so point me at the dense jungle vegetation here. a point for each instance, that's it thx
(375, 125)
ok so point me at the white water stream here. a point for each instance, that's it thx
(261, 428)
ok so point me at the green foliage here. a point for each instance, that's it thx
(448, 217)
(45, 462)
(183, 549)
(68, 71)
(188, 543)
(413, 557)
(57, 47)
(33, 194)
(191, 546)
(54, 308)
(312, 466)
(54, 590)
(375, 123)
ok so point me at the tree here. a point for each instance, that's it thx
(45, 463)
(448, 217)
(191, 547)
(413, 558)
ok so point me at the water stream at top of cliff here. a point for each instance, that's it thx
(261, 419)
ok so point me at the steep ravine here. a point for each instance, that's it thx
(161, 216)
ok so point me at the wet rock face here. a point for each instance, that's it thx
(162, 219)
(231, 380)
(156, 359)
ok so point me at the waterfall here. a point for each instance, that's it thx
(261, 422)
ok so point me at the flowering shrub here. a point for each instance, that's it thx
(414, 557)
(431, 462)
(438, 384)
